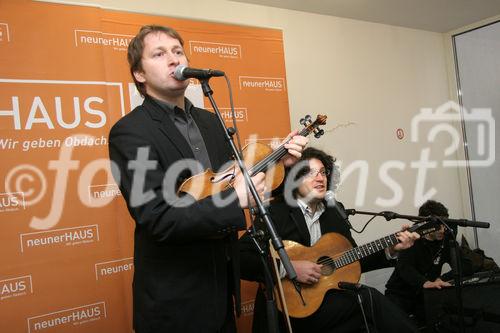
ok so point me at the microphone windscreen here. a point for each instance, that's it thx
(331, 202)
(178, 72)
(329, 196)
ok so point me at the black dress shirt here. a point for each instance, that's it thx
(185, 123)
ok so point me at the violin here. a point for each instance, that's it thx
(257, 157)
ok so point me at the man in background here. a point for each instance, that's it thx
(420, 267)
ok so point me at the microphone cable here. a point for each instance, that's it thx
(233, 114)
(252, 214)
(374, 320)
(360, 301)
(364, 227)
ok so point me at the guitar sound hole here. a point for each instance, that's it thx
(328, 265)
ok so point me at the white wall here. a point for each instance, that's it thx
(372, 75)
(477, 50)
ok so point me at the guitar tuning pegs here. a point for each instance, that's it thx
(302, 121)
(308, 118)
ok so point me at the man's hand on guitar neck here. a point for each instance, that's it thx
(406, 240)
(307, 272)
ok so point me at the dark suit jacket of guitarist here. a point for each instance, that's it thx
(182, 272)
(291, 225)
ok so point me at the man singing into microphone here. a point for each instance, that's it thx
(304, 220)
(185, 254)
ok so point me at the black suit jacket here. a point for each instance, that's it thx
(182, 272)
(291, 225)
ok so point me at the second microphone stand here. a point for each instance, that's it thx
(455, 254)
(261, 209)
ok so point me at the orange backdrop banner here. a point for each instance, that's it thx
(65, 234)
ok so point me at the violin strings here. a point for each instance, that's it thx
(275, 155)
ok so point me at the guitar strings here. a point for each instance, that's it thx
(351, 255)
(354, 254)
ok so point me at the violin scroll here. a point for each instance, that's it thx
(310, 126)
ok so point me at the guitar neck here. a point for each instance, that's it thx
(275, 156)
(365, 250)
(360, 252)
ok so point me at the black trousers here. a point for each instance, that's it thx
(341, 312)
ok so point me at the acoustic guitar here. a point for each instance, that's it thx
(340, 262)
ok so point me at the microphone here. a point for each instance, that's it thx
(350, 286)
(474, 224)
(182, 72)
(331, 202)
(461, 222)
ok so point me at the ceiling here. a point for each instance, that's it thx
(430, 15)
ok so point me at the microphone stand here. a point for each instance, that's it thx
(261, 209)
(271, 310)
(454, 254)
(355, 288)
(456, 265)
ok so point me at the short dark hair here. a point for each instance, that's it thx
(136, 48)
(431, 207)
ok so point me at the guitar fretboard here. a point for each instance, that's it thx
(360, 252)
(363, 251)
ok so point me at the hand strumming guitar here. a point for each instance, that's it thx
(308, 272)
